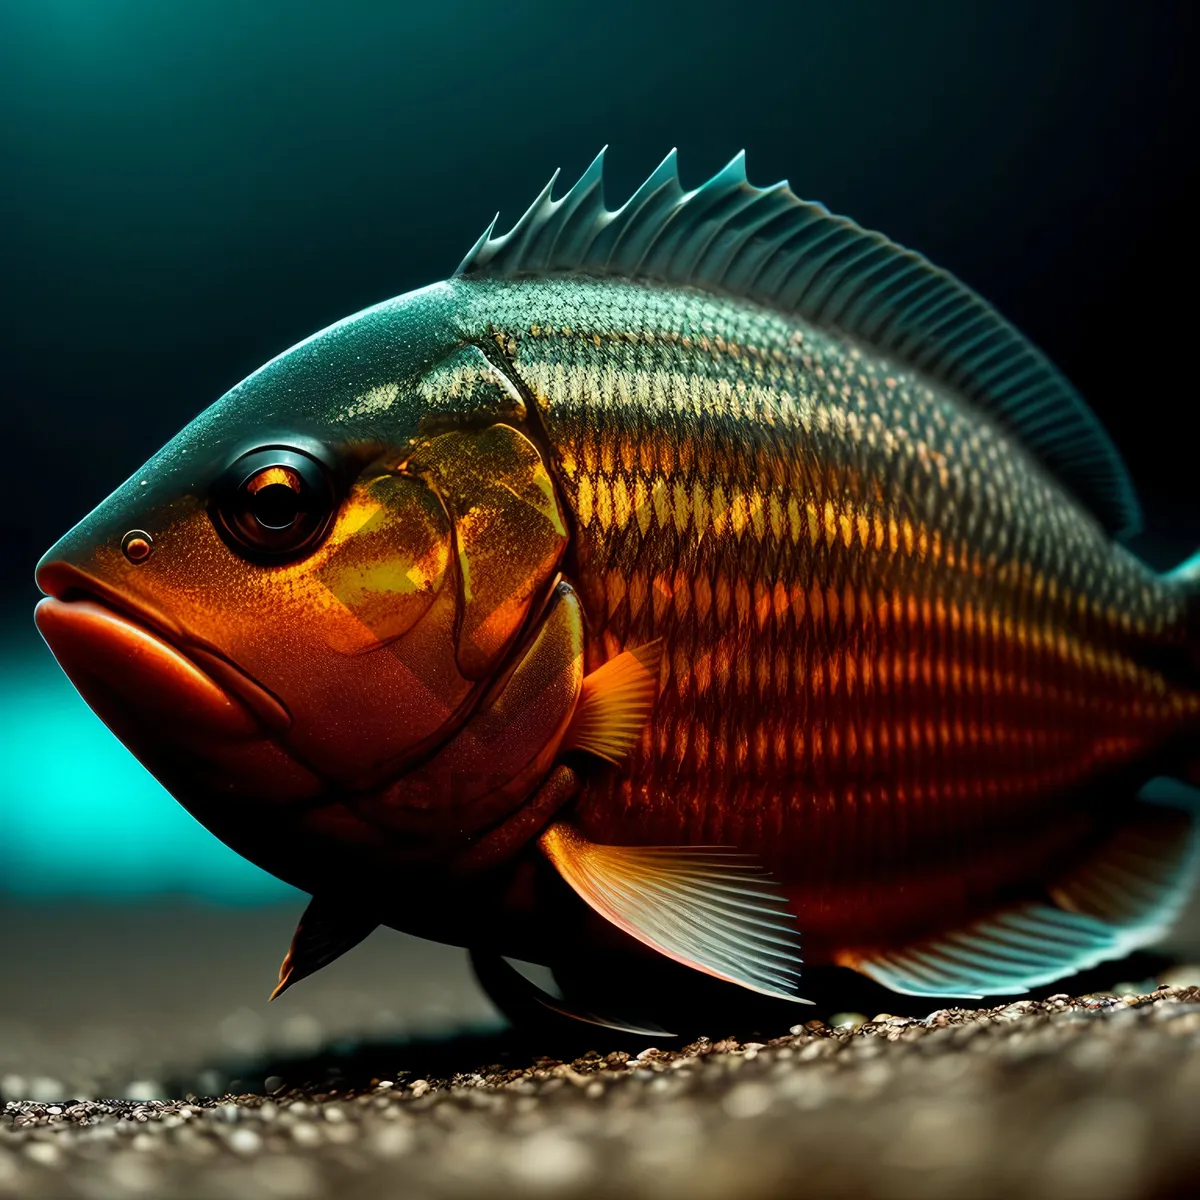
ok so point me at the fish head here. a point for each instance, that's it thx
(306, 589)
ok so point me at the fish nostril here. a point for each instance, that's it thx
(137, 545)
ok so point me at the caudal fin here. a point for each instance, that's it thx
(1186, 578)
(1186, 752)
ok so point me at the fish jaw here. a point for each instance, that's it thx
(206, 731)
(218, 750)
(116, 662)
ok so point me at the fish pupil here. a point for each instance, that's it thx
(274, 503)
(276, 506)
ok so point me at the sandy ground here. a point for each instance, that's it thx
(389, 1075)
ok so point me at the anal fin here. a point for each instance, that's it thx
(1141, 877)
(1123, 898)
(707, 907)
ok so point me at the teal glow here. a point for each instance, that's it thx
(80, 816)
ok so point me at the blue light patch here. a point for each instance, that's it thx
(79, 815)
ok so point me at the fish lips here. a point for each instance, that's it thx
(196, 720)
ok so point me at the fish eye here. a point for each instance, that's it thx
(274, 503)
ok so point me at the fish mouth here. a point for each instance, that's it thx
(122, 655)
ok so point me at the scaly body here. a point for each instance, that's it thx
(896, 652)
(688, 575)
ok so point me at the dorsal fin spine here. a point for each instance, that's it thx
(771, 248)
(629, 221)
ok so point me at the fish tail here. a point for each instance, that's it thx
(1186, 750)
(1186, 576)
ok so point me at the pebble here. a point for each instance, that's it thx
(244, 1141)
(903, 1107)
(307, 1134)
(391, 1141)
(46, 1154)
(846, 1020)
(549, 1161)
(748, 1100)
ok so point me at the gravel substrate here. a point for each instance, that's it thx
(1096, 1097)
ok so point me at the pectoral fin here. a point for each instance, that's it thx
(615, 704)
(709, 908)
(1123, 898)
(325, 932)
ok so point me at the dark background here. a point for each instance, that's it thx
(187, 189)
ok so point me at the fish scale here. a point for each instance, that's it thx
(736, 562)
(886, 632)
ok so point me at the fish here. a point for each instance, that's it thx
(707, 579)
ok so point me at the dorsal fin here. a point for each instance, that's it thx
(767, 245)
